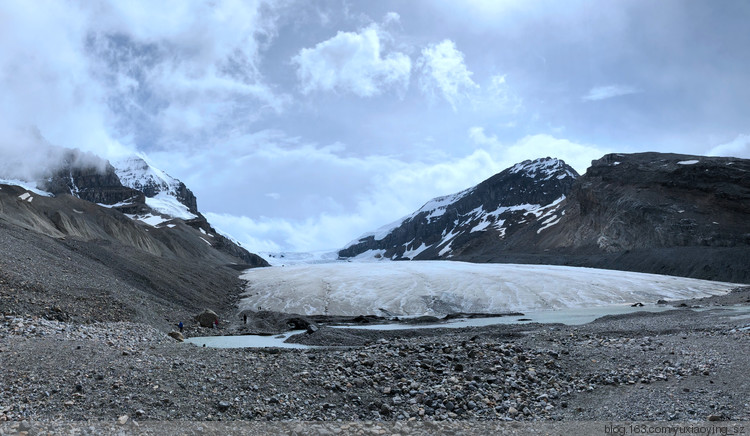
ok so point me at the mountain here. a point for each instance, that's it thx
(142, 192)
(659, 213)
(79, 240)
(528, 194)
(137, 173)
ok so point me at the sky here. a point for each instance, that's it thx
(302, 124)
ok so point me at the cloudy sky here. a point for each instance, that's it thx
(303, 124)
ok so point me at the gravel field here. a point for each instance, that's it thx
(680, 365)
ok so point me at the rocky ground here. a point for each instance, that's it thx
(683, 365)
(81, 281)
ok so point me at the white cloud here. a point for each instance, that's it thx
(26, 155)
(391, 18)
(99, 75)
(497, 97)
(46, 82)
(610, 91)
(738, 147)
(394, 189)
(355, 62)
(579, 156)
(339, 196)
(444, 73)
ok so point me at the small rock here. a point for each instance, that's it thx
(512, 411)
(123, 419)
(714, 417)
(223, 406)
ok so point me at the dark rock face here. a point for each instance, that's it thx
(186, 197)
(92, 184)
(647, 200)
(492, 209)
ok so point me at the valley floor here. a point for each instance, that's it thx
(679, 365)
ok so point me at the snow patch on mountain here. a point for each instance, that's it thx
(29, 186)
(381, 232)
(167, 204)
(543, 169)
(411, 254)
(149, 218)
(437, 206)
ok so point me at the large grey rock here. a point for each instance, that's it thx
(207, 318)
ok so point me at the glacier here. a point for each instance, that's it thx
(437, 288)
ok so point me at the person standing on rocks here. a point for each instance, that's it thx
(216, 323)
(180, 325)
(244, 318)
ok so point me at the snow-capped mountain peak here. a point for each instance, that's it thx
(544, 169)
(528, 192)
(137, 172)
(164, 193)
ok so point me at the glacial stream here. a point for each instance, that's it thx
(568, 316)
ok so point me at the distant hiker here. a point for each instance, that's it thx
(180, 325)
(216, 323)
(244, 318)
(259, 309)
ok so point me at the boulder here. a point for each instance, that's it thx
(298, 323)
(207, 318)
(177, 336)
(268, 322)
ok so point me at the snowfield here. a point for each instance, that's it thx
(440, 287)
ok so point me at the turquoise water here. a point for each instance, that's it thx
(247, 341)
(572, 316)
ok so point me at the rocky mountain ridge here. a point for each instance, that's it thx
(140, 191)
(530, 191)
(650, 212)
(97, 250)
